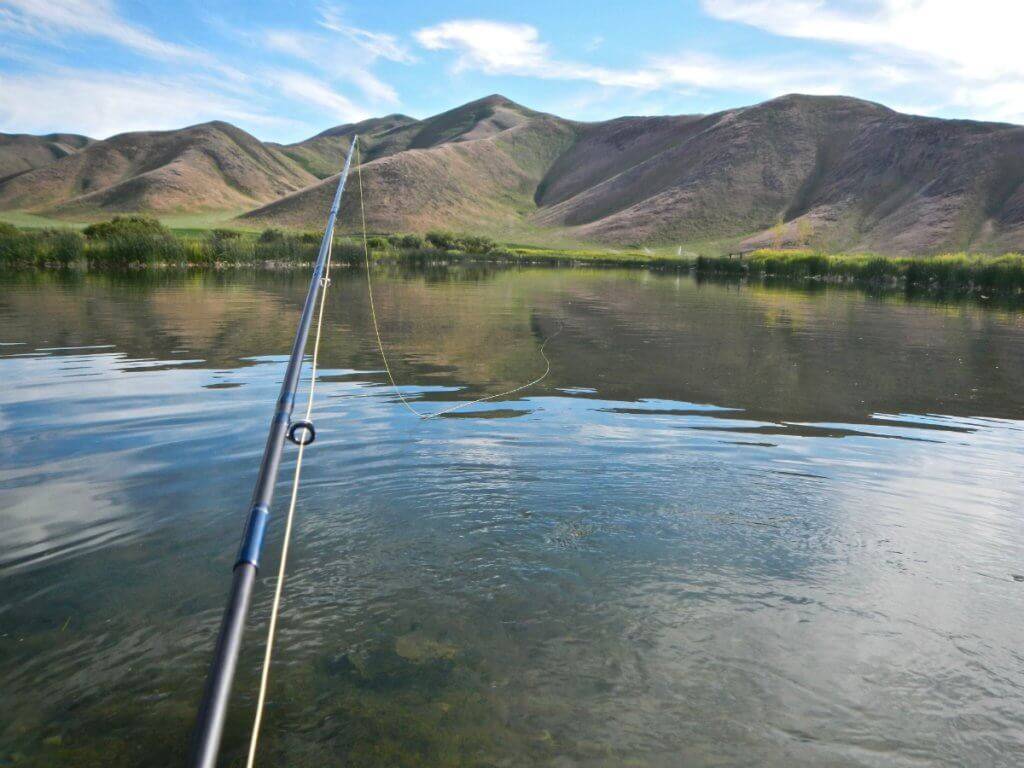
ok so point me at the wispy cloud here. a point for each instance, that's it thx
(965, 52)
(332, 61)
(95, 18)
(311, 90)
(951, 54)
(101, 104)
(498, 48)
(376, 45)
(189, 84)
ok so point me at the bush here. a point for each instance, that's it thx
(271, 236)
(311, 237)
(476, 244)
(226, 247)
(121, 226)
(286, 248)
(347, 252)
(410, 241)
(65, 246)
(49, 247)
(443, 241)
(376, 243)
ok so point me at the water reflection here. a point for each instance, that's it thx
(735, 525)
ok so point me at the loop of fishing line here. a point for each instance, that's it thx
(380, 343)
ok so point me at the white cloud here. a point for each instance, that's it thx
(302, 87)
(497, 48)
(967, 52)
(492, 46)
(332, 61)
(959, 56)
(376, 45)
(96, 18)
(979, 38)
(100, 104)
(197, 85)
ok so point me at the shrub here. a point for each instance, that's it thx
(347, 252)
(410, 241)
(271, 236)
(50, 247)
(65, 246)
(375, 243)
(444, 241)
(286, 248)
(226, 247)
(476, 244)
(311, 237)
(120, 226)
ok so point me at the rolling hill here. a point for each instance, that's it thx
(22, 152)
(832, 171)
(476, 167)
(209, 167)
(323, 154)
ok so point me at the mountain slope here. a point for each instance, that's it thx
(476, 167)
(22, 152)
(831, 171)
(840, 172)
(837, 172)
(323, 154)
(208, 167)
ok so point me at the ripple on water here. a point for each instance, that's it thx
(736, 527)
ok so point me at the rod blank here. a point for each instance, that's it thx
(213, 709)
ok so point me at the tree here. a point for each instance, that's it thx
(804, 232)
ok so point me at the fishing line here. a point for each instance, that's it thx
(275, 608)
(290, 518)
(380, 343)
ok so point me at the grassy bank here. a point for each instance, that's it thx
(135, 242)
(956, 271)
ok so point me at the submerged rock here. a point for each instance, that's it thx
(419, 648)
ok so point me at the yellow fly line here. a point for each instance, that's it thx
(275, 607)
(380, 343)
(282, 567)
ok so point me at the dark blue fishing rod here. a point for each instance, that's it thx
(214, 707)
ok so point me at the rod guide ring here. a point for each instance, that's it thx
(301, 432)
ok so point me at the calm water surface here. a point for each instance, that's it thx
(736, 526)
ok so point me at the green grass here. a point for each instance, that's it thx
(134, 242)
(953, 271)
(137, 242)
(34, 221)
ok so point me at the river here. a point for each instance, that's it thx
(736, 525)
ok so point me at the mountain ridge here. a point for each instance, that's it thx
(830, 171)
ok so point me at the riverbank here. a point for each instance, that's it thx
(134, 242)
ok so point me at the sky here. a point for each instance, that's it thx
(287, 70)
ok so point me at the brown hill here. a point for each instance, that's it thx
(475, 167)
(21, 152)
(323, 154)
(831, 171)
(209, 167)
(843, 172)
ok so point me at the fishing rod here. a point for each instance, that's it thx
(213, 709)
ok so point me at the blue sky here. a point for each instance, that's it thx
(286, 70)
